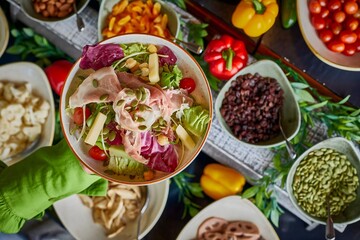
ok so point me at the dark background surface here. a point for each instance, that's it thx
(290, 227)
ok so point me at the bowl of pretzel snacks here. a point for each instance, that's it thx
(115, 215)
(229, 218)
(153, 17)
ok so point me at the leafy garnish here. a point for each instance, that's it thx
(187, 191)
(197, 32)
(195, 120)
(170, 76)
(30, 44)
(179, 3)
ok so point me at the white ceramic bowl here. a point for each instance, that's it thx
(77, 218)
(28, 8)
(291, 117)
(232, 208)
(107, 5)
(337, 60)
(352, 213)
(201, 94)
(21, 72)
(4, 32)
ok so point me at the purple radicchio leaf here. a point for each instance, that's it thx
(161, 158)
(100, 55)
(170, 59)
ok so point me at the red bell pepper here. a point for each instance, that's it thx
(225, 56)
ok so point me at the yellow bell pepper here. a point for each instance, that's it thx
(218, 181)
(255, 17)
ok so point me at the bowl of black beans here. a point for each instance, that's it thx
(250, 104)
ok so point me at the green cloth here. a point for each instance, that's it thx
(30, 186)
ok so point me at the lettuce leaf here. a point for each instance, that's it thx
(170, 76)
(195, 119)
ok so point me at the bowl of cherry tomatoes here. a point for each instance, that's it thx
(331, 29)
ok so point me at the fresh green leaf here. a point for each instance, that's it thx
(193, 211)
(259, 199)
(250, 192)
(29, 32)
(195, 120)
(170, 77)
(15, 33)
(16, 49)
(274, 216)
(197, 31)
(298, 85)
(180, 3)
(303, 95)
(344, 100)
(316, 106)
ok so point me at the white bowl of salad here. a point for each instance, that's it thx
(136, 109)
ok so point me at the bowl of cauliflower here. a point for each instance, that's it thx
(27, 112)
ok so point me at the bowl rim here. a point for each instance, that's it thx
(102, 8)
(4, 39)
(300, 9)
(290, 177)
(53, 19)
(49, 136)
(63, 116)
(227, 86)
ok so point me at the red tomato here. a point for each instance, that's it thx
(336, 45)
(314, 6)
(351, 7)
(339, 16)
(57, 73)
(188, 84)
(351, 23)
(335, 27)
(350, 49)
(357, 45)
(357, 32)
(318, 22)
(324, 12)
(348, 37)
(323, 3)
(78, 116)
(334, 5)
(326, 35)
(98, 154)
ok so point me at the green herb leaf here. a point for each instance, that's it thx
(16, 49)
(250, 192)
(317, 105)
(29, 32)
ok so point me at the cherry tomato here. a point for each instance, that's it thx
(326, 35)
(98, 154)
(357, 45)
(318, 22)
(348, 37)
(350, 49)
(314, 7)
(188, 84)
(336, 45)
(78, 116)
(335, 27)
(324, 12)
(351, 7)
(357, 32)
(339, 16)
(351, 23)
(57, 73)
(323, 3)
(334, 5)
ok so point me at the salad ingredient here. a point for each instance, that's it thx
(136, 17)
(107, 85)
(121, 163)
(154, 68)
(188, 84)
(218, 181)
(171, 59)
(341, 19)
(225, 56)
(79, 116)
(170, 76)
(22, 116)
(195, 119)
(95, 129)
(288, 13)
(219, 228)
(120, 206)
(100, 55)
(255, 17)
(332, 175)
(97, 153)
(57, 73)
(185, 137)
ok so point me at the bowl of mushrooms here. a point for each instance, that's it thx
(113, 216)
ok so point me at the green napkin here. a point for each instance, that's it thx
(32, 185)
